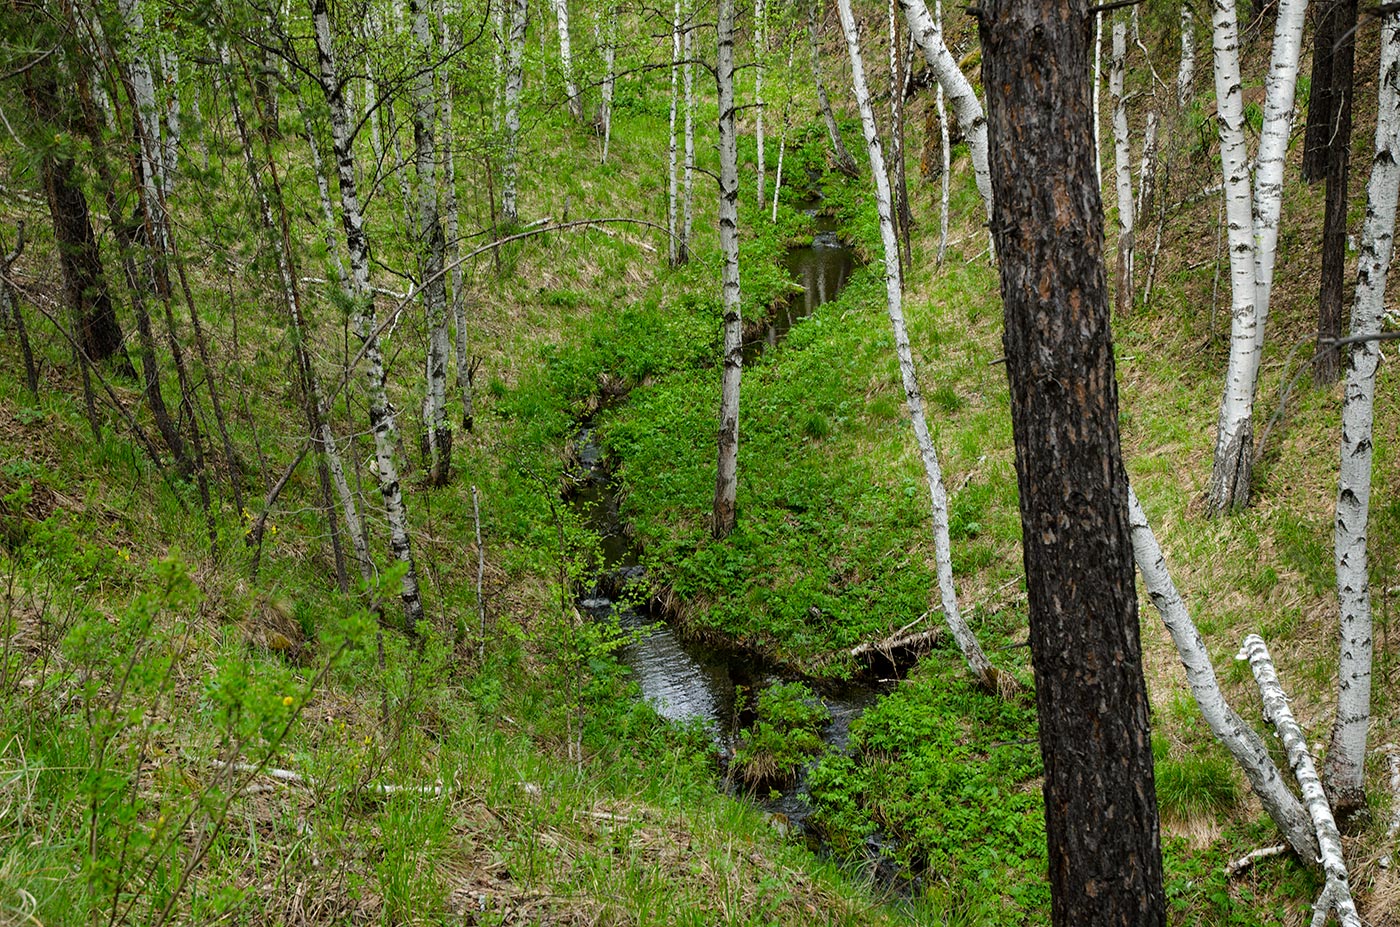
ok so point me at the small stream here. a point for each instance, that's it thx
(683, 680)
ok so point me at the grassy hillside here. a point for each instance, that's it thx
(195, 734)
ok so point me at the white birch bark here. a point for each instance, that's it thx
(778, 175)
(968, 110)
(759, 51)
(945, 155)
(967, 642)
(153, 177)
(1149, 163)
(454, 228)
(1227, 726)
(1122, 167)
(515, 53)
(1186, 70)
(726, 475)
(688, 186)
(607, 38)
(566, 58)
(432, 246)
(1279, 88)
(170, 144)
(1234, 444)
(498, 59)
(323, 191)
(1094, 93)
(1276, 710)
(361, 297)
(1346, 757)
(673, 190)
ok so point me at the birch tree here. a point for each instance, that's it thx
(566, 58)
(361, 297)
(1186, 68)
(432, 245)
(1105, 864)
(688, 186)
(673, 190)
(760, 50)
(1337, 29)
(1234, 443)
(726, 475)
(928, 35)
(515, 54)
(987, 675)
(1346, 756)
(1253, 233)
(1122, 167)
(1227, 726)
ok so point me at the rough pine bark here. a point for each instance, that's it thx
(987, 675)
(432, 247)
(1105, 862)
(1334, 22)
(1337, 158)
(726, 476)
(1346, 756)
(381, 414)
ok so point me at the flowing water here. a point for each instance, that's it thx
(686, 681)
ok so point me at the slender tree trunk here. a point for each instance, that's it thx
(432, 246)
(170, 144)
(760, 50)
(607, 35)
(928, 34)
(981, 667)
(566, 58)
(840, 156)
(673, 191)
(1234, 443)
(904, 218)
(945, 152)
(1338, 892)
(727, 475)
(361, 297)
(278, 230)
(1100, 802)
(1346, 757)
(498, 58)
(515, 53)
(1338, 163)
(465, 366)
(1330, 17)
(688, 186)
(1279, 88)
(1098, 86)
(1244, 745)
(1186, 70)
(1122, 169)
(10, 313)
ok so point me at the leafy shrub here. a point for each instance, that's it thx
(786, 734)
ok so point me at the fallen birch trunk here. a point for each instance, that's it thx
(1337, 893)
(1227, 726)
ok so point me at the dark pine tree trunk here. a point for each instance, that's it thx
(1336, 151)
(1322, 102)
(1100, 801)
